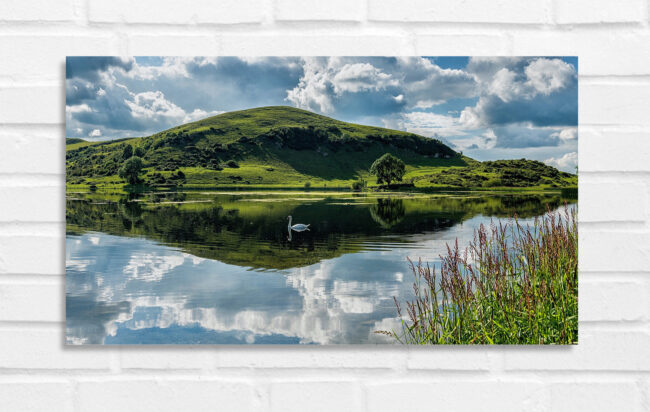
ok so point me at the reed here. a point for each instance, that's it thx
(513, 284)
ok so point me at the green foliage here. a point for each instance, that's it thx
(131, 170)
(283, 146)
(358, 185)
(388, 169)
(501, 173)
(74, 140)
(127, 151)
(513, 285)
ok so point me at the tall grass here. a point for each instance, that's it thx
(513, 284)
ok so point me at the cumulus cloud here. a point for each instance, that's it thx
(489, 105)
(377, 86)
(95, 133)
(567, 134)
(432, 124)
(537, 91)
(568, 162)
(360, 77)
(90, 68)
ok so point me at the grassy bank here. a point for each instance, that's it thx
(514, 284)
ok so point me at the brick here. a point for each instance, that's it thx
(595, 396)
(471, 11)
(461, 44)
(456, 395)
(612, 301)
(322, 357)
(599, 11)
(600, 51)
(32, 255)
(449, 358)
(32, 302)
(32, 104)
(173, 12)
(612, 200)
(609, 150)
(614, 103)
(36, 396)
(26, 204)
(44, 349)
(165, 395)
(613, 251)
(146, 357)
(310, 45)
(315, 396)
(338, 10)
(598, 350)
(42, 57)
(37, 10)
(32, 150)
(172, 45)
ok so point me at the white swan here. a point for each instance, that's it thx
(298, 227)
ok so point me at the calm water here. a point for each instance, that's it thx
(223, 268)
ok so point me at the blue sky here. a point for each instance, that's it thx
(488, 107)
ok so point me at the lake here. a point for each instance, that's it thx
(203, 267)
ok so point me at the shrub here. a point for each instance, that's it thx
(358, 185)
(127, 151)
(232, 164)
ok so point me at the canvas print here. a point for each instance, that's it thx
(321, 200)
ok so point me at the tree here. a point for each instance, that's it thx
(127, 152)
(131, 170)
(139, 151)
(388, 168)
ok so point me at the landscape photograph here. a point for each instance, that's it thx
(321, 200)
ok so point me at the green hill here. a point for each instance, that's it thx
(280, 146)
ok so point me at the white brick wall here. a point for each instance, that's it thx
(608, 370)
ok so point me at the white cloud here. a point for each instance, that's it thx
(95, 133)
(420, 82)
(427, 104)
(432, 124)
(170, 67)
(199, 114)
(505, 85)
(152, 104)
(79, 108)
(567, 163)
(359, 77)
(567, 134)
(312, 90)
(549, 75)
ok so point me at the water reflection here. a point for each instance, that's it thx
(220, 269)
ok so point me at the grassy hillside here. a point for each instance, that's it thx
(281, 147)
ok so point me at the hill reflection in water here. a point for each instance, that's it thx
(219, 268)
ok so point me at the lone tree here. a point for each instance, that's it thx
(388, 168)
(131, 170)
